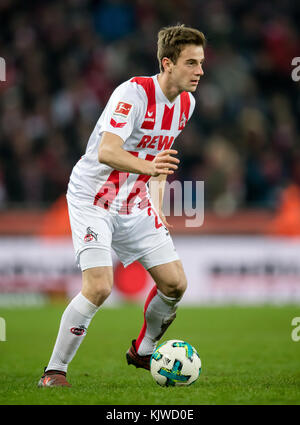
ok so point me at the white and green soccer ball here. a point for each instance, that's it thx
(175, 363)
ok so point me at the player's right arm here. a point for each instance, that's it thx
(111, 152)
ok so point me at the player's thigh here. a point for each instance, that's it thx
(91, 229)
(92, 233)
(170, 278)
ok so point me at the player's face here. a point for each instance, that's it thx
(187, 71)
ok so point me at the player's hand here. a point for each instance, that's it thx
(164, 163)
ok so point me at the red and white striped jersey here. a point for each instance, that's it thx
(138, 112)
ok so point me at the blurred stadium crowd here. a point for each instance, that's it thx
(64, 58)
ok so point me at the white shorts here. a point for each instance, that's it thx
(140, 236)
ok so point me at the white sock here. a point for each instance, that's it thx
(73, 326)
(159, 313)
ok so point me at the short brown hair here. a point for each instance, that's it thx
(172, 39)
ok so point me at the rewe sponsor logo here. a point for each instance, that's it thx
(156, 142)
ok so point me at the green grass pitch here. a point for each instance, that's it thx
(247, 353)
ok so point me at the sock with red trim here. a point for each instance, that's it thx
(159, 313)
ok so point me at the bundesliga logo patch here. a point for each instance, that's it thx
(123, 109)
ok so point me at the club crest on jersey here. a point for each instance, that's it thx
(182, 122)
(123, 109)
(90, 235)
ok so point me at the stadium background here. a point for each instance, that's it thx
(241, 312)
(63, 60)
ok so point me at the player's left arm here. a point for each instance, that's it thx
(157, 189)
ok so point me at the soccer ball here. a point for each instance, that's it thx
(175, 363)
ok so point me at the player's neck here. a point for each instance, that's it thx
(168, 89)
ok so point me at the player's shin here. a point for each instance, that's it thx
(73, 327)
(159, 313)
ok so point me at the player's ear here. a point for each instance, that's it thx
(167, 64)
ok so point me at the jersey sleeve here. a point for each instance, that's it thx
(123, 111)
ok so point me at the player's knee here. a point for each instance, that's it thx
(100, 292)
(180, 287)
(176, 286)
(103, 291)
(97, 286)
